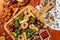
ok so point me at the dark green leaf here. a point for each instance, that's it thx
(21, 17)
(16, 22)
(29, 32)
(17, 31)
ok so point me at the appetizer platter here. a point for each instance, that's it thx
(25, 24)
(28, 19)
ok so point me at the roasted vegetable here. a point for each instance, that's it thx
(33, 20)
(21, 17)
(17, 31)
(11, 27)
(29, 32)
(16, 22)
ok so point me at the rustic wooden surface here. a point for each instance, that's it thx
(55, 35)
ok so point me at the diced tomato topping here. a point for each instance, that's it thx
(10, 27)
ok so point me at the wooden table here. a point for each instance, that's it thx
(55, 35)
